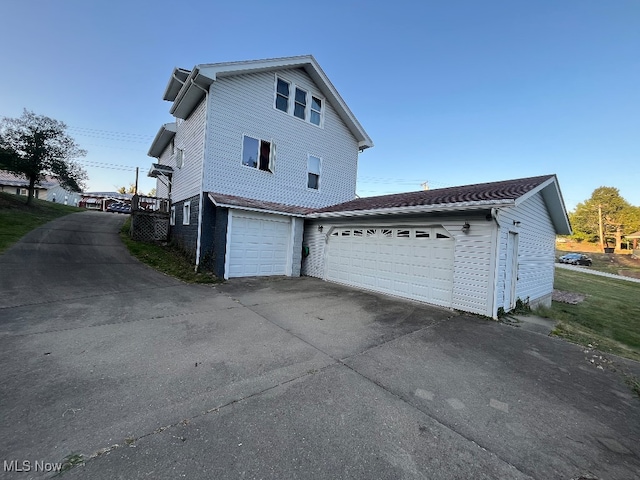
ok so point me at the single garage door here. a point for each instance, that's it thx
(259, 245)
(415, 263)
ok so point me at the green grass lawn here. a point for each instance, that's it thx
(17, 219)
(165, 258)
(608, 318)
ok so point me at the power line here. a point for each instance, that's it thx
(95, 131)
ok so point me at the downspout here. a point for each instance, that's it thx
(495, 213)
(204, 156)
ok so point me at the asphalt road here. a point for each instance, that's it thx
(147, 377)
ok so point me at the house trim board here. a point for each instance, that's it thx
(227, 250)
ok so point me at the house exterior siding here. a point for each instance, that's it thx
(473, 266)
(185, 236)
(244, 104)
(189, 137)
(536, 250)
(166, 158)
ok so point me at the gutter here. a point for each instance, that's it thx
(443, 208)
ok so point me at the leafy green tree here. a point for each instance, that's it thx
(35, 146)
(619, 217)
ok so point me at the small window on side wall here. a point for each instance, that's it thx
(186, 213)
(172, 217)
(259, 154)
(314, 165)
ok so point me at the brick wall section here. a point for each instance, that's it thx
(185, 236)
(214, 238)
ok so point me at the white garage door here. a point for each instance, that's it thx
(414, 263)
(259, 245)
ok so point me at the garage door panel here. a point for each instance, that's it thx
(410, 262)
(259, 245)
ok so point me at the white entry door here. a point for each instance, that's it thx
(415, 262)
(258, 244)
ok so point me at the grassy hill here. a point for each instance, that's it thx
(17, 219)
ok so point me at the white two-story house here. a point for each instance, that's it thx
(255, 145)
(262, 161)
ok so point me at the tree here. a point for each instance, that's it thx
(152, 192)
(618, 216)
(35, 146)
(130, 189)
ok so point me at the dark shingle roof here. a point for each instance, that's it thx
(481, 192)
(235, 201)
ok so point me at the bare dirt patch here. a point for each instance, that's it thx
(572, 298)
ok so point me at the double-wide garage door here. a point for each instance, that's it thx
(415, 263)
(259, 245)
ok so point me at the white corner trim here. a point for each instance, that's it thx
(227, 247)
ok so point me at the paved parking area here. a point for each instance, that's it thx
(147, 377)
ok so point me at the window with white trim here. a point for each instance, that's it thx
(259, 154)
(179, 157)
(186, 213)
(315, 115)
(314, 165)
(282, 95)
(300, 104)
(172, 217)
(303, 105)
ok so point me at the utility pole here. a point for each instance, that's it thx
(600, 226)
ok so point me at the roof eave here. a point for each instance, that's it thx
(178, 77)
(440, 208)
(191, 93)
(162, 139)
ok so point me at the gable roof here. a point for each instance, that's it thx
(481, 196)
(185, 88)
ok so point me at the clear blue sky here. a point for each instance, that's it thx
(451, 92)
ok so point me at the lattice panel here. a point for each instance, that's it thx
(149, 226)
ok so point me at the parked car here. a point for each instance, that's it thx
(569, 257)
(576, 259)
(119, 208)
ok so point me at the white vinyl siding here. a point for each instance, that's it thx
(190, 139)
(244, 104)
(536, 250)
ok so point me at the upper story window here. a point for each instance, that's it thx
(300, 107)
(258, 154)
(303, 105)
(316, 110)
(282, 95)
(313, 172)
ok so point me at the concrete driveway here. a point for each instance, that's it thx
(147, 377)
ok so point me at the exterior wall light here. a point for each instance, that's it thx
(466, 227)
(320, 228)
